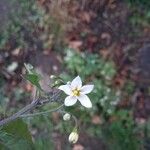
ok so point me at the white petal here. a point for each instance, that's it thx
(66, 88)
(87, 89)
(70, 100)
(76, 83)
(85, 101)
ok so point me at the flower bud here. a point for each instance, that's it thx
(73, 137)
(57, 82)
(66, 117)
(53, 77)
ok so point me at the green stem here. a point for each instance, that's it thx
(42, 113)
(74, 118)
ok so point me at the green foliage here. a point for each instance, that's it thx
(17, 20)
(101, 72)
(140, 12)
(30, 26)
(139, 3)
(129, 87)
(43, 143)
(121, 133)
(15, 135)
(88, 64)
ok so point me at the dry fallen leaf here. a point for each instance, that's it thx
(78, 147)
(104, 52)
(16, 51)
(85, 16)
(96, 120)
(29, 87)
(55, 117)
(140, 120)
(75, 44)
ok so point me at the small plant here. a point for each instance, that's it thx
(75, 91)
(121, 133)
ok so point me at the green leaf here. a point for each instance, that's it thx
(32, 76)
(34, 79)
(15, 135)
(18, 128)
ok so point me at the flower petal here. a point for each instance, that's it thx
(70, 100)
(85, 101)
(76, 83)
(66, 88)
(87, 89)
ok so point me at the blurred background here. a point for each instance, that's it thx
(106, 42)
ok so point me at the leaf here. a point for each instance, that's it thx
(15, 135)
(34, 79)
(32, 76)
(29, 68)
(18, 128)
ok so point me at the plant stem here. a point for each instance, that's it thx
(42, 113)
(34, 104)
(19, 113)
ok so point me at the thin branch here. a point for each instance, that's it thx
(42, 113)
(28, 108)
(22, 111)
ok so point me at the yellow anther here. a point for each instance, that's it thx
(76, 92)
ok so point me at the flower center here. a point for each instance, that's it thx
(76, 92)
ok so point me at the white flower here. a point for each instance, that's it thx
(76, 91)
(73, 137)
(66, 117)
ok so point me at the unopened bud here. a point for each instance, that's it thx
(66, 117)
(53, 77)
(57, 82)
(73, 137)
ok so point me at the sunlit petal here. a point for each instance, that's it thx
(85, 101)
(76, 83)
(70, 100)
(87, 89)
(66, 88)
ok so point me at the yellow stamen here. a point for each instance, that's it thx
(76, 92)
